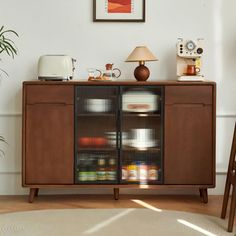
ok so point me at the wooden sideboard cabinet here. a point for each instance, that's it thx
(119, 135)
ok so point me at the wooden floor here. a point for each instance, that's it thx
(180, 203)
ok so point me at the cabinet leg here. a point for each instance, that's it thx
(32, 194)
(204, 194)
(116, 193)
(200, 193)
(37, 192)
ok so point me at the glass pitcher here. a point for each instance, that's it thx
(94, 74)
(111, 73)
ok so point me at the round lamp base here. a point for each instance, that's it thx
(141, 73)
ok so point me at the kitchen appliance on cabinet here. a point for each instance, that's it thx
(189, 60)
(56, 67)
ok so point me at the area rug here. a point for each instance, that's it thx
(110, 222)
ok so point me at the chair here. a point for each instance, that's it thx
(230, 180)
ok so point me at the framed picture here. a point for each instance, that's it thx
(119, 10)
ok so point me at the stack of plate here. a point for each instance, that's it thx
(98, 105)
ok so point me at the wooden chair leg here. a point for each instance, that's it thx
(232, 210)
(204, 194)
(226, 198)
(230, 180)
(116, 193)
(32, 194)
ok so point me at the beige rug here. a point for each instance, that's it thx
(110, 222)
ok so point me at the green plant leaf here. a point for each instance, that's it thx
(9, 31)
(10, 47)
(7, 45)
(2, 139)
(6, 49)
(6, 75)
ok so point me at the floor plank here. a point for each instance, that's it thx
(170, 202)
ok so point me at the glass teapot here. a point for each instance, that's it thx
(111, 73)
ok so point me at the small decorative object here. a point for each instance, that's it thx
(109, 73)
(7, 45)
(94, 74)
(141, 54)
(119, 10)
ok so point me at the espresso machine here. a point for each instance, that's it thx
(189, 56)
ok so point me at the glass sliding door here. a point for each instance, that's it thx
(141, 135)
(96, 139)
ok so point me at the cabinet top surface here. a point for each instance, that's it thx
(107, 83)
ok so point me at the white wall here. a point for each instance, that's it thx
(62, 26)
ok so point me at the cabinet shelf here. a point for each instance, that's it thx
(106, 182)
(149, 182)
(125, 114)
(96, 114)
(151, 149)
(97, 149)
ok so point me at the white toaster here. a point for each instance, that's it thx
(55, 67)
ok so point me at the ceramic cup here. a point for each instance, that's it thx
(192, 70)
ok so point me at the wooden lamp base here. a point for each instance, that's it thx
(141, 73)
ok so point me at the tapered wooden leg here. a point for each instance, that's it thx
(232, 210)
(204, 194)
(226, 198)
(116, 193)
(37, 192)
(32, 194)
(200, 193)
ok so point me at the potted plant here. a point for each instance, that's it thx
(6, 46)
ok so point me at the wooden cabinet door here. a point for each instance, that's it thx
(49, 144)
(188, 154)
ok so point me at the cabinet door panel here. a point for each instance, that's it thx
(188, 94)
(50, 94)
(188, 144)
(49, 144)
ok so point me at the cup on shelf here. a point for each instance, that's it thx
(192, 70)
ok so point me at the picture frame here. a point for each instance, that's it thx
(119, 10)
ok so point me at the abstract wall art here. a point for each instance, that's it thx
(119, 10)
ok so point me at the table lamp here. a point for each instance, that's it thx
(141, 54)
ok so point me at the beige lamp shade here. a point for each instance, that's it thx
(141, 53)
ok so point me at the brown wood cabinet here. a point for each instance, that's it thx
(56, 125)
(189, 135)
(48, 135)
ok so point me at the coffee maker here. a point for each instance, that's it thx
(189, 56)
